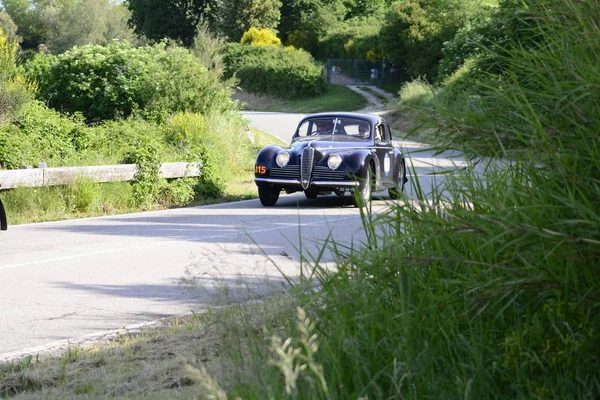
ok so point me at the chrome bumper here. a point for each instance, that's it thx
(296, 182)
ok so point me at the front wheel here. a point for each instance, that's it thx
(268, 196)
(365, 189)
(396, 192)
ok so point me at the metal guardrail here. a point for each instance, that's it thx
(37, 177)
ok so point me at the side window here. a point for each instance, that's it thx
(388, 133)
(379, 134)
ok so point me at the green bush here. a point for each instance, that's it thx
(282, 72)
(14, 90)
(119, 80)
(354, 38)
(40, 134)
(260, 37)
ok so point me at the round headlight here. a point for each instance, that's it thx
(283, 158)
(334, 161)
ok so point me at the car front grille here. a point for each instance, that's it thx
(287, 172)
(326, 174)
(308, 156)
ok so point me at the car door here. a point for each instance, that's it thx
(385, 153)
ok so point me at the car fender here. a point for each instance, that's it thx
(399, 159)
(358, 161)
(266, 157)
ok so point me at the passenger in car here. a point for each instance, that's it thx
(363, 130)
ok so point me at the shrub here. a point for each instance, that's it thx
(260, 37)
(146, 184)
(417, 93)
(14, 90)
(40, 134)
(183, 130)
(118, 80)
(281, 72)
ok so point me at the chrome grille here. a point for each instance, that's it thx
(326, 174)
(289, 171)
(308, 156)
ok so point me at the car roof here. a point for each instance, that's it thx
(373, 119)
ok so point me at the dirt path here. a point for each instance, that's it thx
(376, 104)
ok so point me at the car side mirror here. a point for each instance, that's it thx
(3, 219)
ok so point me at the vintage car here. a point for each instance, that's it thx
(333, 153)
(3, 220)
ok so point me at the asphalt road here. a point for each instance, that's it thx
(65, 282)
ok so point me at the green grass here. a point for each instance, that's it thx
(336, 98)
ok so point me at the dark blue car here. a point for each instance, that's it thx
(3, 220)
(333, 153)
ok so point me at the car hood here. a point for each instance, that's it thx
(331, 143)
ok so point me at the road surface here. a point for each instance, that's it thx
(64, 282)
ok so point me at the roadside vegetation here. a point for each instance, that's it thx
(335, 98)
(488, 287)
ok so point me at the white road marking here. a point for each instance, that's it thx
(294, 225)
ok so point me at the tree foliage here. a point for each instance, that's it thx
(14, 90)
(414, 32)
(56, 26)
(178, 20)
(237, 16)
(9, 28)
(353, 38)
(303, 22)
(115, 81)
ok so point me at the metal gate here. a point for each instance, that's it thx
(355, 72)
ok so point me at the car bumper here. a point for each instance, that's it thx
(296, 182)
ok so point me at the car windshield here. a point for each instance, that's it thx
(335, 127)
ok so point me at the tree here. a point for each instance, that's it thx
(303, 22)
(237, 16)
(14, 91)
(26, 16)
(173, 19)
(415, 31)
(365, 8)
(9, 27)
(58, 25)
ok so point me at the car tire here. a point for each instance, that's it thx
(3, 219)
(396, 192)
(362, 197)
(311, 194)
(268, 196)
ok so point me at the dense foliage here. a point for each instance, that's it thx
(58, 26)
(356, 38)
(14, 90)
(178, 20)
(278, 71)
(237, 16)
(115, 81)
